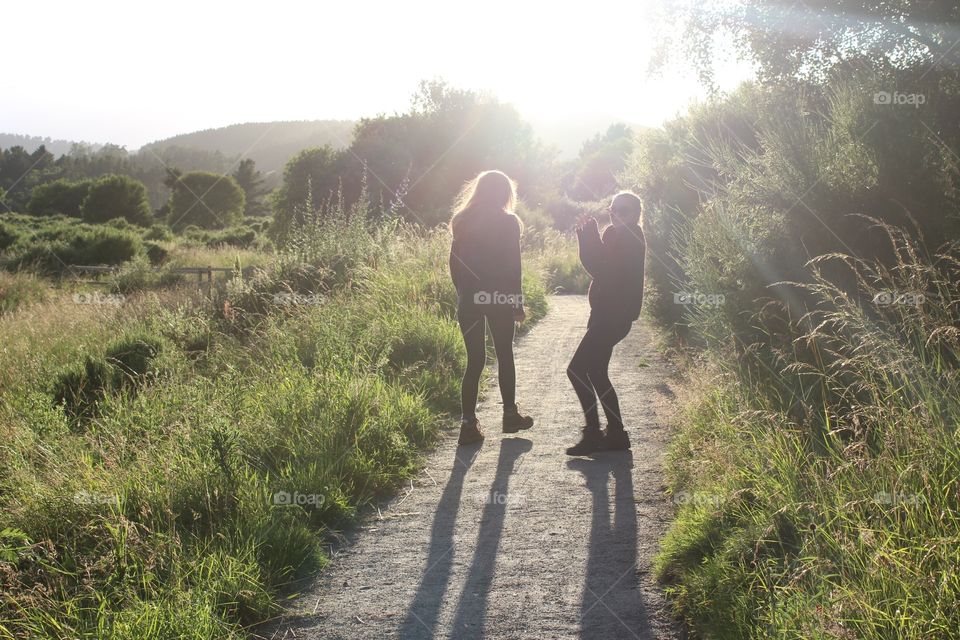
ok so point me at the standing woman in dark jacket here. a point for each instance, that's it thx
(615, 261)
(485, 267)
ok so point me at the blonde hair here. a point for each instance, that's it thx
(490, 192)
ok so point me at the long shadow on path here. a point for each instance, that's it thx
(612, 605)
(472, 608)
(421, 620)
(423, 616)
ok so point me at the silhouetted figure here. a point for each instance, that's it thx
(485, 268)
(615, 262)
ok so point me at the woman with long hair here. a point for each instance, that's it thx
(485, 268)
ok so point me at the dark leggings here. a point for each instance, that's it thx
(588, 371)
(500, 321)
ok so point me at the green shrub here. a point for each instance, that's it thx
(54, 249)
(8, 236)
(240, 236)
(79, 388)
(207, 200)
(125, 365)
(133, 357)
(844, 394)
(117, 196)
(59, 197)
(156, 253)
(140, 275)
(159, 232)
(119, 223)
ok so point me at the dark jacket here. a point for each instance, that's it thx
(616, 264)
(485, 259)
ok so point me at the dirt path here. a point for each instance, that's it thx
(514, 539)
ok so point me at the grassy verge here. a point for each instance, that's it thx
(818, 484)
(171, 459)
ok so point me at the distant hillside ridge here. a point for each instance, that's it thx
(32, 143)
(269, 144)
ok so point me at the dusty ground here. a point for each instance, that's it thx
(513, 539)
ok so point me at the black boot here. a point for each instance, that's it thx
(616, 440)
(470, 432)
(591, 442)
(514, 421)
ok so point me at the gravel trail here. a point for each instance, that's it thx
(513, 539)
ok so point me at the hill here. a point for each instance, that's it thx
(270, 144)
(31, 143)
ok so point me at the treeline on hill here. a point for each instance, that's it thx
(22, 171)
(803, 240)
(269, 144)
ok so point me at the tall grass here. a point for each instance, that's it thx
(232, 430)
(821, 498)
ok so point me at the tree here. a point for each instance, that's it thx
(207, 200)
(116, 196)
(804, 40)
(448, 136)
(310, 179)
(251, 181)
(20, 171)
(59, 197)
(602, 158)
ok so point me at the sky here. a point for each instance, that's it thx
(134, 72)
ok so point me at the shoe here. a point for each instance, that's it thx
(591, 442)
(514, 421)
(470, 433)
(616, 440)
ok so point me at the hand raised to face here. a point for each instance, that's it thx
(586, 222)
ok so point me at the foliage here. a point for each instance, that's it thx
(125, 365)
(831, 521)
(158, 232)
(251, 181)
(412, 163)
(59, 197)
(20, 171)
(593, 176)
(117, 196)
(815, 472)
(739, 194)
(310, 177)
(8, 235)
(55, 244)
(207, 200)
(239, 236)
(805, 41)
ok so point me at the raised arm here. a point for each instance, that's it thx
(590, 247)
